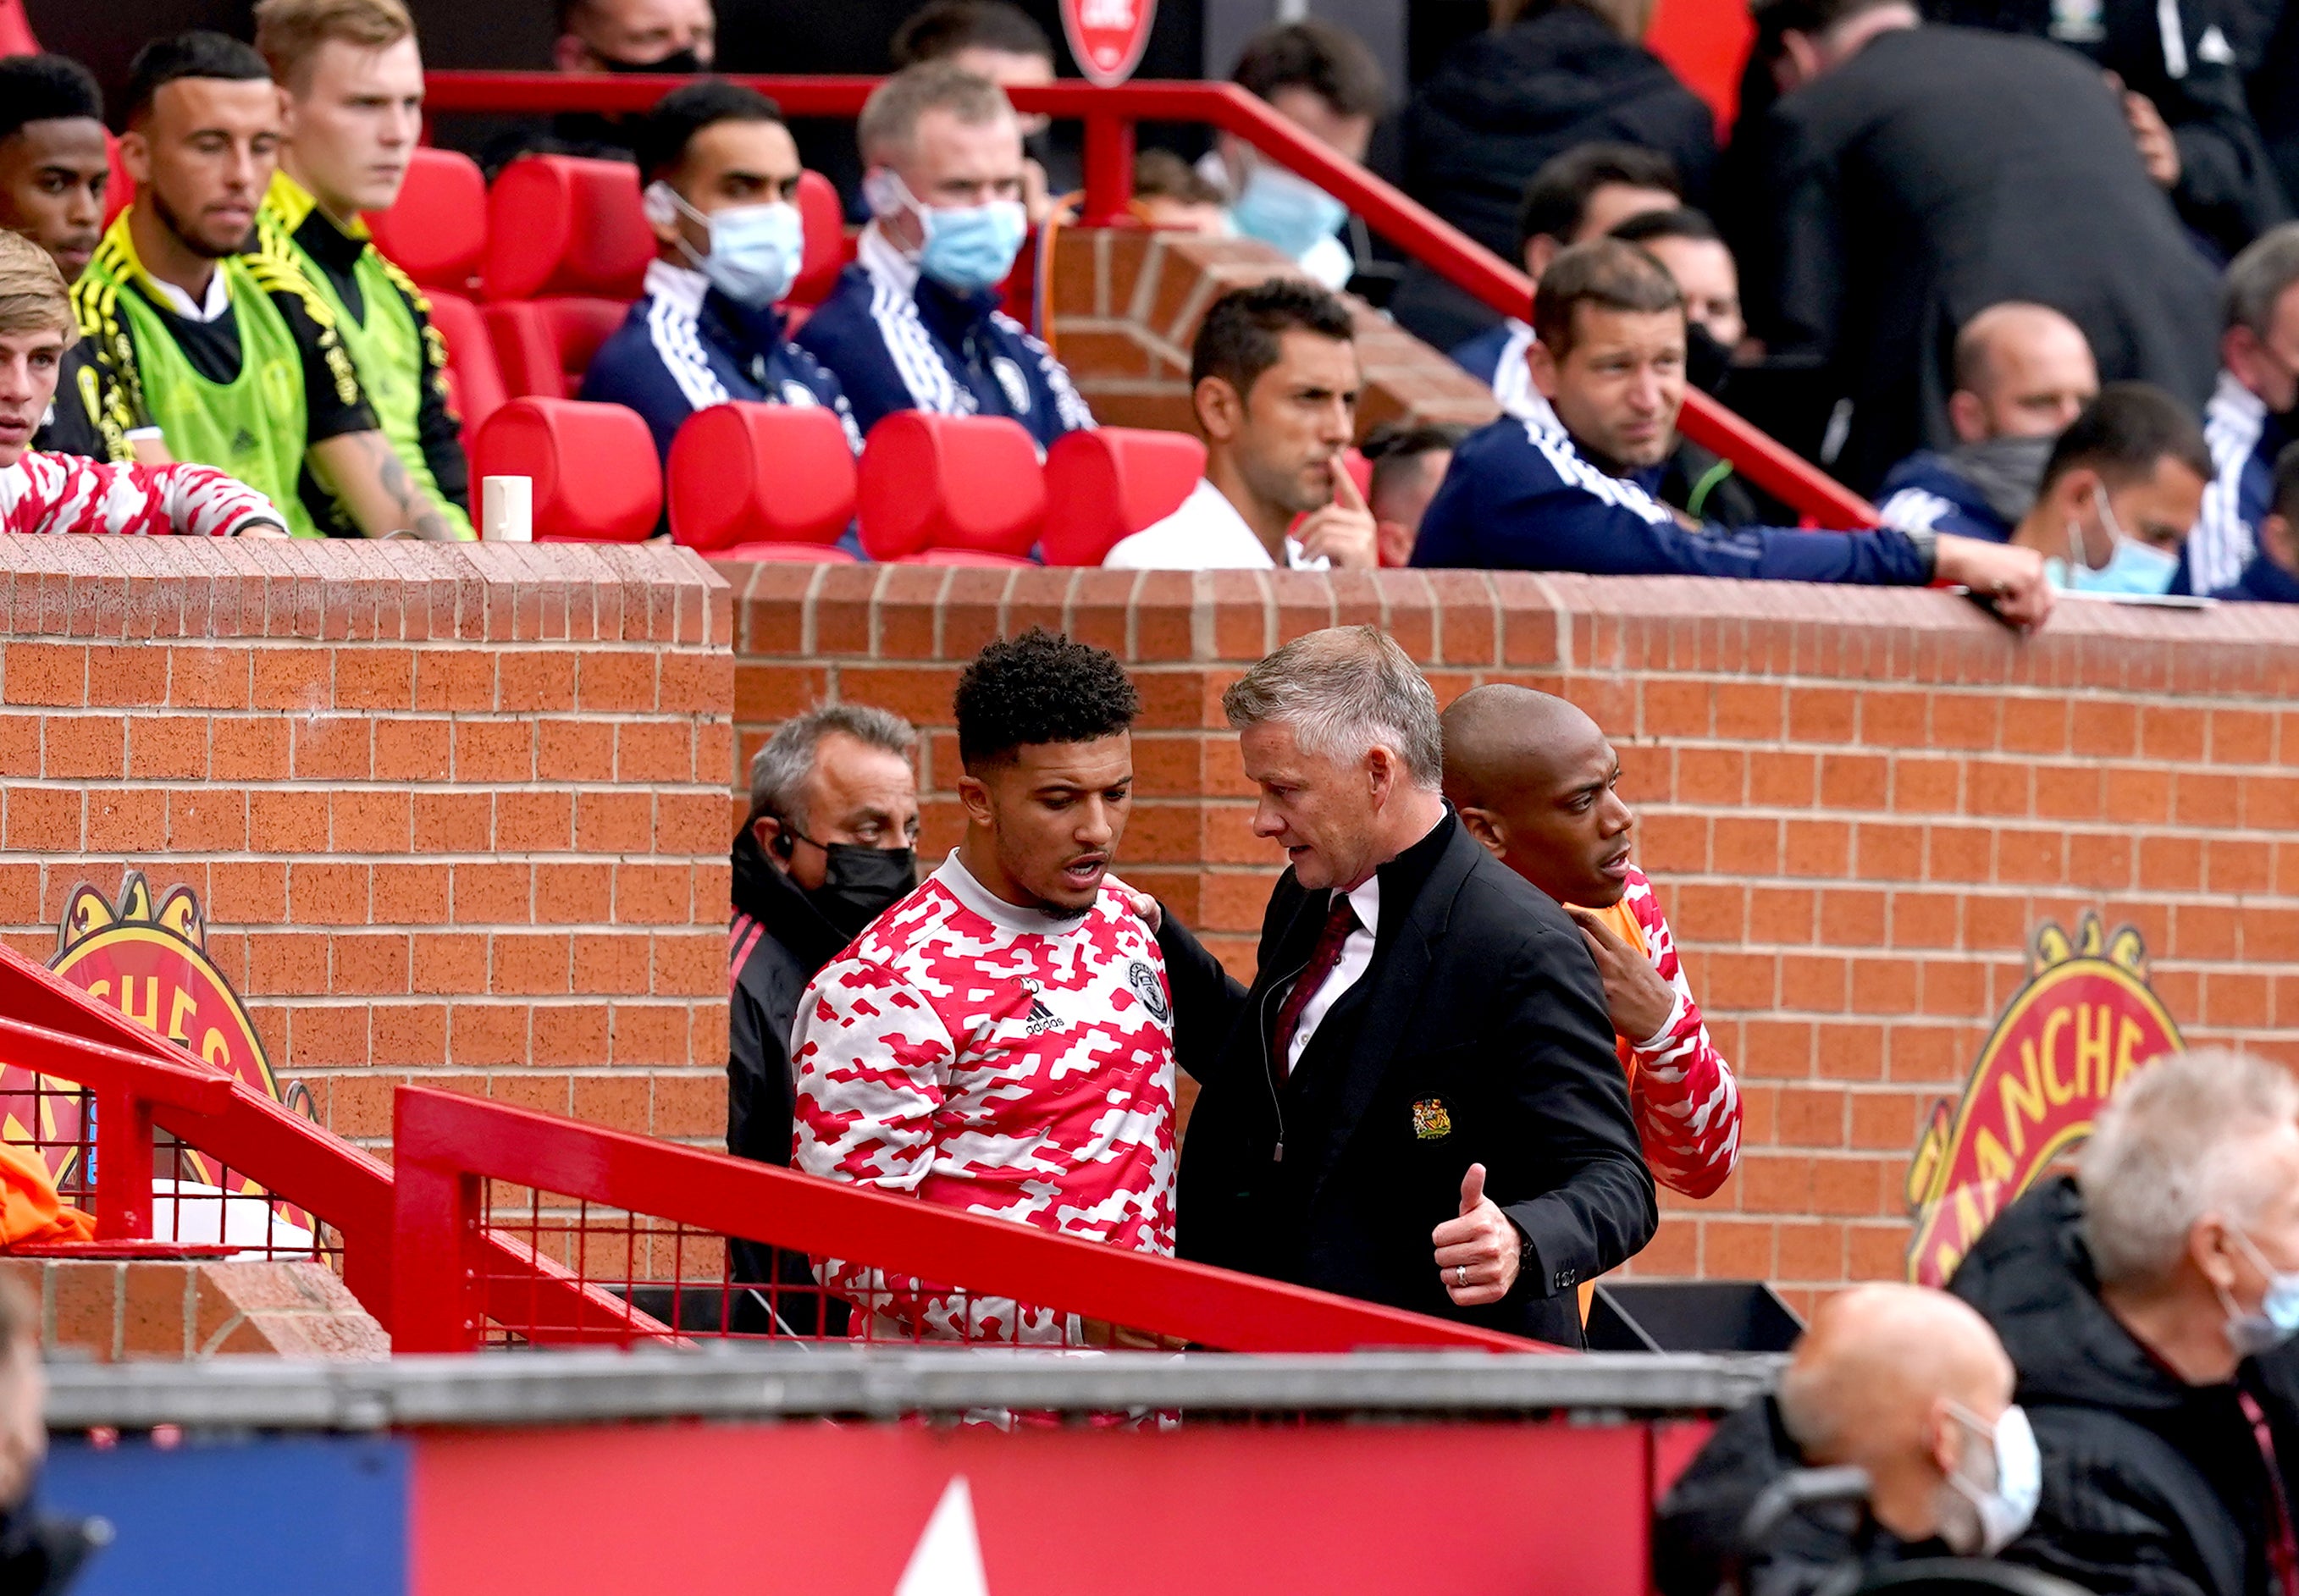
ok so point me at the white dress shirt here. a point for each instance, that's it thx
(1207, 533)
(1356, 957)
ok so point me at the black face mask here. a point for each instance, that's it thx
(1707, 363)
(682, 63)
(860, 884)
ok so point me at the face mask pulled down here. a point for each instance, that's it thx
(2278, 1317)
(968, 249)
(755, 250)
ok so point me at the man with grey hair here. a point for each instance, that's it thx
(2145, 1302)
(914, 322)
(2248, 419)
(1416, 1102)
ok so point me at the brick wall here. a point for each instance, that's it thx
(171, 1311)
(1857, 804)
(455, 815)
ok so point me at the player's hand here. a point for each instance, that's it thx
(1477, 1253)
(2006, 575)
(1639, 1000)
(2151, 135)
(1343, 531)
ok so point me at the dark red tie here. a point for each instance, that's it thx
(1341, 919)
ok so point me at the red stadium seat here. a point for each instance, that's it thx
(16, 31)
(1109, 484)
(967, 483)
(437, 230)
(566, 242)
(118, 189)
(596, 478)
(543, 347)
(825, 241)
(748, 477)
(475, 380)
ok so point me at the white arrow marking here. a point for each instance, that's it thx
(948, 1558)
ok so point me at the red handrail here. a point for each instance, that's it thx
(444, 1145)
(1109, 115)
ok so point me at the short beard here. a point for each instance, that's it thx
(167, 215)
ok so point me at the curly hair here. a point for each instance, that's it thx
(1040, 688)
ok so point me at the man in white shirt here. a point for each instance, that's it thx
(1274, 381)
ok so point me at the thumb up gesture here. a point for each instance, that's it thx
(1477, 1253)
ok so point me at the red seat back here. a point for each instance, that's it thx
(949, 482)
(596, 478)
(544, 345)
(745, 473)
(16, 37)
(475, 380)
(825, 240)
(118, 189)
(563, 225)
(437, 230)
(1107, 485)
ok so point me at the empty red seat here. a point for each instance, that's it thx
(567, 251)
(1107, 485)
(596, 478)
(762, 482)
(437, 230)
(968, 483)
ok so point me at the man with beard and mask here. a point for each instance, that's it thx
(2248, 418)
(1001, 1042)
(675, 37)
(2148, 1302)
(2022, 373)
(914, 322)
(2121, 491)
(1906, 1383)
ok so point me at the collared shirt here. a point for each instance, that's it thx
(2243, 440)
(1207, 533)
(1356, 957)
(216, 301)
(1497, 358)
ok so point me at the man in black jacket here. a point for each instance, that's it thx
(1417, 1103)
(1910, 177)
(2147, 1304)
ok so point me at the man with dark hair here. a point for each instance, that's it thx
(2249, 416)
(1911, 176)
(1408, 463)
(675, 37)
(721, 174)
(2273, 575)
(1579, 196)
(212, 329)
(1322, 79)
(1273, 381)
(2120, 493)
(1686, 242)
(1001, 42)
(1000, 1041)
(1523, 497)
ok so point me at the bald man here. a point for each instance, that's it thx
(1907, 1384)
(1535, 781)
(2022, 373)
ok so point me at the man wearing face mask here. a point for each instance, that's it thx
(2022, 373)
(914, 323)
(721, 174)
(1904, 1382)
(2121, 488)
(2143, 1301)
(678, 38)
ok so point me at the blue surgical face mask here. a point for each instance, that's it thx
(2134, 567)
(2003, 1493)
(755, 250)
(2278, 1318)
(1288, 213)
(968, 248)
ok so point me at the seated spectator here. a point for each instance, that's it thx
(1169, 193)
(1908, 178)
(2022, 373)
(721, 174)
(2142, 1301)
(1521, 497)
(1549, 77)
(1322, 79)
(40, 1555)
(1001, 1042)
(351, 80)
(1535, 781)
(1904, 1382)
(914, 323)
(68, 493)
(2272, 577)
(215, 332)
(54, 171)
(1273, 381)
(2248, 416)
(679, 38)
(1696, 256)
(1409, 463)
(1580, 195)
(2120, 491)
(1001, 42)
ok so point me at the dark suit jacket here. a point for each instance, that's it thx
(1479, 1034)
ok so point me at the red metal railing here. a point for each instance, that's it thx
(1109, 116)
(453, 1156)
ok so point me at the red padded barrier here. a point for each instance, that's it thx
(544, 345)
(760, 473)
(825, 240)
(437, 230)
(949, 482)
(594, 467)
(1108, 484)
(564, 225)
(787, 553)
(475, 380)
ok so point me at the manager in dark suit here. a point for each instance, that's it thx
(1417, 1103)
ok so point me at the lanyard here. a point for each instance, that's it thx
(2283, 1552)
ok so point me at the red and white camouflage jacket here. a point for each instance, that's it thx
(65, 493)
(998, 1062)
(1686, 1103)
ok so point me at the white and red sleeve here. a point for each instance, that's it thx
(65, 493)
(1686, 1103)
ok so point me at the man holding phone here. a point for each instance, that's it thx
(1274, 381)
